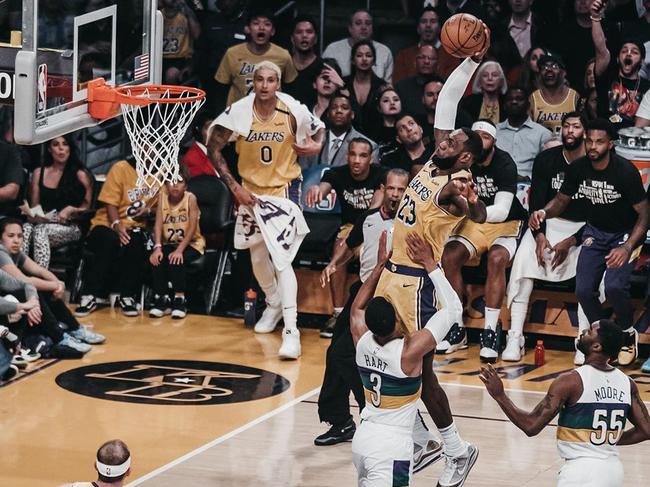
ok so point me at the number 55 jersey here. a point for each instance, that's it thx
(593, 425)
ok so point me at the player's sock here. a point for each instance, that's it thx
(337, 311)
(491, 318)
(518, 312)
(421, 434)
(455, 446)
(583, 321)
(288, 288)
(264, 273)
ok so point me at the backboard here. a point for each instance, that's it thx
(65, 44)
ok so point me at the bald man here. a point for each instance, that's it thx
(113, 466)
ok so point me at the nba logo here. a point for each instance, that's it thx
(41, 104)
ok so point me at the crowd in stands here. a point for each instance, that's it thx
(542, 81)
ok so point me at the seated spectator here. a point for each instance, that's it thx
(428, 29)
(488, 88)
(518, 135)
(118, 239)
(180, 29)
(429, 101)
(411, 89)
(357, 187)
(363, 83)
(553, 99)
(529, 74)
(113, 465)
(326, 84)
(361, 29)
(12, 178)
(619, 85)
(57, 322)
(235, 73)
(643, 113)
(61, 184)
(196, 159)
(524, 26)
(589, 98)
(338, 137)
(307, 62)
(411, 153)
(177, 242)
(389, 106)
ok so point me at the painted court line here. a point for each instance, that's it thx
(223, 438)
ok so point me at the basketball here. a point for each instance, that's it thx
(463, 35)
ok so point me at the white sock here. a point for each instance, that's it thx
(421, 434)
(583, 321)
(265, 273)
(491, 318)
(455, 446)
(518, 316)
(337, 311)
(288, 290)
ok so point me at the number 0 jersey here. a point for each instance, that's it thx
(422, 213)
(391, 396)
(592, 426)
(267, 161)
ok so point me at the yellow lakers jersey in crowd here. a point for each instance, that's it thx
(176, 222)
(421, 212)
(550, 115)
(267, 160)
(177, 40)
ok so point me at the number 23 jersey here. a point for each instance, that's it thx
(593, 425)
(176, 221)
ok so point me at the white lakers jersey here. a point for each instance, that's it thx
(593, 426)
(391, 396)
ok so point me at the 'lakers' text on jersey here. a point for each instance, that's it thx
(176, 223)
(267, 162)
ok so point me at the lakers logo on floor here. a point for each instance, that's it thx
(177, 382)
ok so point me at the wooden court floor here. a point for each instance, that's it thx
(50, 433)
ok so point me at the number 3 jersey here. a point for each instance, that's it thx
(592, 426)
(391, 396)
(267, 161)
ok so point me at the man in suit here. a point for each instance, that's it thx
(338, 137)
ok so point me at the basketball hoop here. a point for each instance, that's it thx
(156, 118)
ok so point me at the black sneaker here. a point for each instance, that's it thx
(87, 305)
(489, 346)
(128, 305)
(337, 434)
(10, 373)
(327, 331)
(179, 310)
(161, 306)
(456, 339)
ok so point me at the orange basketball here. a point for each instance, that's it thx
(463, 35)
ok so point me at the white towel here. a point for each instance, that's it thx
(238, 117)
(278, 222)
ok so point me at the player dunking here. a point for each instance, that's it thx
(594, 402)
(437, 199)
(271, 130)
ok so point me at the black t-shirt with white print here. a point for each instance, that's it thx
(609, 195)
(355, 196)
(499, 175)
(618, 97)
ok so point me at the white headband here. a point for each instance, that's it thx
(113, 470)
(488, 128)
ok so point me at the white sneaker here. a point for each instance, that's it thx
(457, 469)
(290, 348)
(270, 319)
(514, 347)
(579, 358)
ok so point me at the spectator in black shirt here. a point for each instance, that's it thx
(556, 245)
(495, 176)
(11, 179)
(411, 89)
(619, 85)
(617, 221)
(308, 64)
(411, 153)
(429, 101)
(382, 129)
(357, 186)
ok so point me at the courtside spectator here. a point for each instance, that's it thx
(61, 184)
(361, 29)
(643, 113)
(12, 178)
(177, 243)
(518, 135)
(529, 74)
(411, 153)
(326, 84)
(308, 64)
(235, 71)
(117, 239)
(524, 26)
(389, 107)
(113, 466)
(411, 89)
(428, 29)
(196, 158)
(180, 29)
(488, 88)
(554, 98)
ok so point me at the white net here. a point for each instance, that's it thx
(156, 130)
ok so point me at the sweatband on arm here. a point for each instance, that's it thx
(451, 93)
(498, 212)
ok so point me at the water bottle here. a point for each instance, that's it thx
(539, 353)
(250, 302)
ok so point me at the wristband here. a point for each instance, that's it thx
(595, 19)
(543, 211)
(157, 246)
(115, 222)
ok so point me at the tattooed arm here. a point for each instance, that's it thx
(218, 140)
(639, 418)
(532, 422)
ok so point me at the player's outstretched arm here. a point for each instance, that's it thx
(532, 422)
(639, 417)
(553, 208)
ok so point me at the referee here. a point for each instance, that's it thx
(617, 221)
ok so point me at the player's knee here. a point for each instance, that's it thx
(615, 290)
(498, 260)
